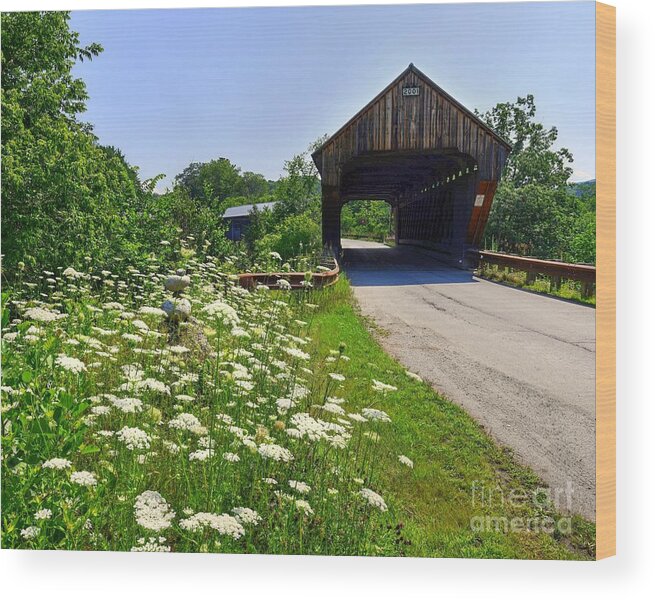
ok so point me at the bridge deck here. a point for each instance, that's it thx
(522, 364)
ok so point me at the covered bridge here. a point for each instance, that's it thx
(417, 148)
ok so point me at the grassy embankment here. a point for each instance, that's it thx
(432, 503)
(569, 290)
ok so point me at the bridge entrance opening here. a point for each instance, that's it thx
(370, 220)
(432, 160)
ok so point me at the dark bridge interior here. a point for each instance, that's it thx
(417, 148)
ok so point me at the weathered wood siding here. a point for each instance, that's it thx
(431, 121)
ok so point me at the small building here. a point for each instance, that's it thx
(237, 218)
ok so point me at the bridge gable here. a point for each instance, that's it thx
(412, 115)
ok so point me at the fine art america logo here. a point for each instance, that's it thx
(546, 501)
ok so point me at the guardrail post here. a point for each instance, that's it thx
(587, 289)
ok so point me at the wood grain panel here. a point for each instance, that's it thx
(606, 280)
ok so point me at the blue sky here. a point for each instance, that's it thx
(259, 85)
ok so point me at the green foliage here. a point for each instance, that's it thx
(362, 218)
(295, 235)
(299, 191)
(532, 159)
(535, 211)
(216, 181)
(64, 196)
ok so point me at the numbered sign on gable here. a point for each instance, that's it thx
(411, 91)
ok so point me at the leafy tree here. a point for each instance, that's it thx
(296, 235)
(254, 185)
(299, 190)
(532, 158)
(63, 195)
(215, 181)
(366, 218)
(535, 211)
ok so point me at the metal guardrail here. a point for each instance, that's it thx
(318, 279)
(555, 270)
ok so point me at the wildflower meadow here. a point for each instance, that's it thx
(127, 428)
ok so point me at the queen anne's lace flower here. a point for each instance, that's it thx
(222, 311)
(304, 506)
(373, 499)
(224, 524)
(186, 421)
(134, 438)
(58, 464)
(376, 415)
(152, 511)
(408, 462)
(297, 353)
(378, 386)
(413, 376)
(246, 516)
(151, 545)
(126, 405)
(154, 385)
(29, 533)
(275, 452)
(299, 486)
(43, 315)
(69, 363)
(84, 478)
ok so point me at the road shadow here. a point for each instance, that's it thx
(379, 265)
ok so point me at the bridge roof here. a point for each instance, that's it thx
(416, 71)
(427, 121)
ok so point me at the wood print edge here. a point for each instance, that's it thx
(606, 281)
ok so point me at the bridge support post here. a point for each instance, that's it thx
(331, 212)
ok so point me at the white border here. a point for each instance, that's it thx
(82, 575)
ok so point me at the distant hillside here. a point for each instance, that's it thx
(583, 189)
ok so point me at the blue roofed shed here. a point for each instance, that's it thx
(238, 218)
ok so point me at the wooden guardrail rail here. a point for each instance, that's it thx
(555, 270)
(318, 279)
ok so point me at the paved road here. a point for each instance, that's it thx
(522, 364)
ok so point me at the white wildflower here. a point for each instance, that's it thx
(69, 363)
(376, 415)
(373, 499)
(43, 514)
(186, 421)
(299, 486)
(84, 478)
(378, 386)
(224, 524)
(246, 516)
(304, 506)
(134, 438)
(29, 533)
(43, 315)
(275, 452)
(57, 464)
(152, 511)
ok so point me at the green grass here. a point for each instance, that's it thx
(161, 433)
(432, 503)
(569, 290)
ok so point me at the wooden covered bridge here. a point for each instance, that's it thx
(433, 160)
